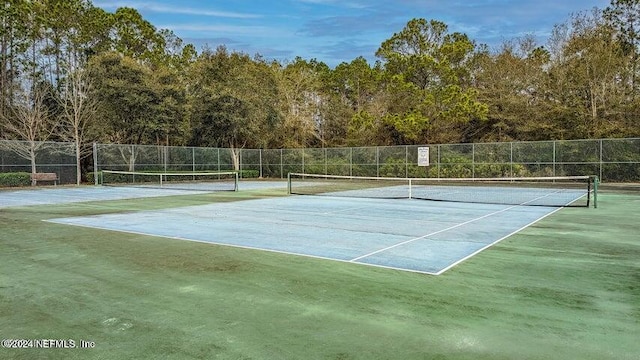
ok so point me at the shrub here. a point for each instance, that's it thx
(12, 179)
(246, 174)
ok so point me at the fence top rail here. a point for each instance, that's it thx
(377, 146)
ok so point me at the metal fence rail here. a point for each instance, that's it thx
(613, 160)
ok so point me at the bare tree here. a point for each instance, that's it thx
(80, 107)
(29, 121)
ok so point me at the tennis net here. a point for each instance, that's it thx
(197, 181)
(541, 191)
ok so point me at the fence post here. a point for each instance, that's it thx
(95, 163)
(326, 170)
(600, 165)
(350, 161)
(377, 161)
(165, 156)
(473, 160)
(438, 149)
(554, 157)
(406, 161)
(511, 159)
(260, 152)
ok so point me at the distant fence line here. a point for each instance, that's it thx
(613, 160)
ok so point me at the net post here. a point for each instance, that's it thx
(410, 188)
(289, 183)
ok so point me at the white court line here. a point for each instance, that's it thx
(53, 221)
(353, 261)
(430, 234)
(450, 228)
(495, 242)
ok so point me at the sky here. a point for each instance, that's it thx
(336, 31)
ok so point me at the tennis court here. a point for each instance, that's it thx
(571, 273)
(67, 195)
(371, 221)
(420, 236)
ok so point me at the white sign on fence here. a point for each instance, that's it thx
(423, 156)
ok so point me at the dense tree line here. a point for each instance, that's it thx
(72, 71)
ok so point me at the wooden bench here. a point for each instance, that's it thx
(35, 177)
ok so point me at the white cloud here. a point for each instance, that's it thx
(341, 3)
(261, 31)
(159, 8)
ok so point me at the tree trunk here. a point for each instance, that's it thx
(78, 165)
(32, 154)
(235, 157)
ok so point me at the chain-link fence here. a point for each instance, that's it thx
(39, 156)
(613, 160)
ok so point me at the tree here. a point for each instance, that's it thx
(80, 110)
(512, 82)
(624, 15)
(57, 27)
(428, 83)
(30, 124)
(586, 70)
(356, 83)
(171, 123)
(301, 99)
(135, 37)
(13, 43)
(365, 129)
(92, 36)
(232, 100)
(128, 102)
(356, 92)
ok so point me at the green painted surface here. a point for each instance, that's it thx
(566, 288)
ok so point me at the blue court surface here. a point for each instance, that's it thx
(64, 195)
(414, 235)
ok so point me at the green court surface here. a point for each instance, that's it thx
(567, 287)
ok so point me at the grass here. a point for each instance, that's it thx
(566, 288)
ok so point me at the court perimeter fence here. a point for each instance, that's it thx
(613, 160)
(46, 156)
